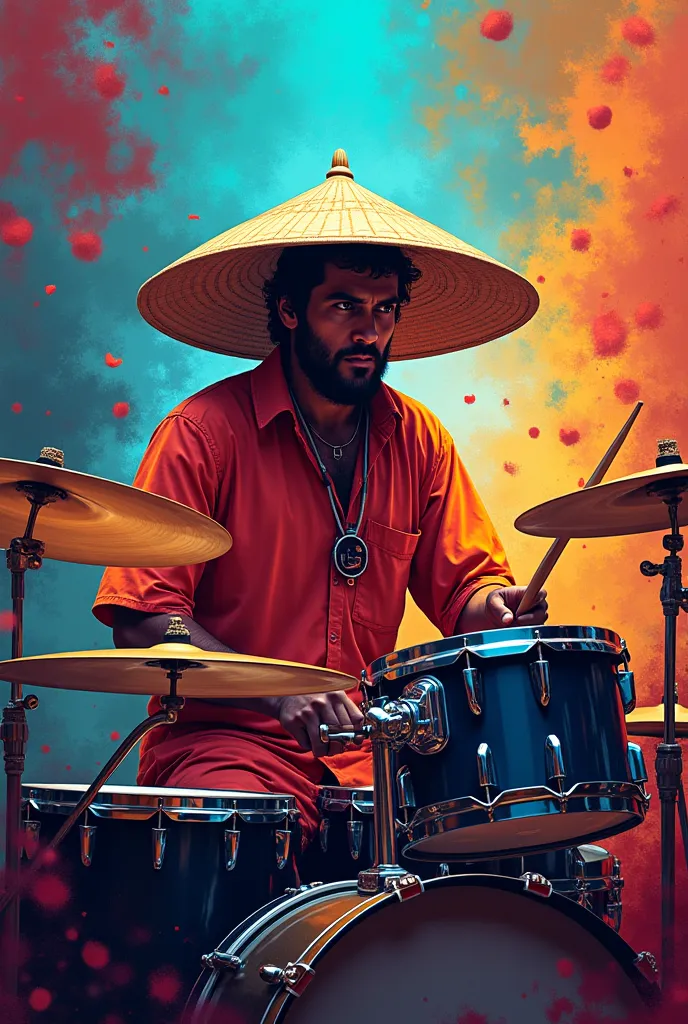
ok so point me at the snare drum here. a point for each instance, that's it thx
(151, 876)
(531, 752)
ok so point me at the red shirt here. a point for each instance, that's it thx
(235, 451)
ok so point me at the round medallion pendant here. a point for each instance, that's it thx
(350, 555)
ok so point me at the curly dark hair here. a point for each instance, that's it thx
(300, 268)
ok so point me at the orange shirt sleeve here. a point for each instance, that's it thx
(458, 551)
(182, 463)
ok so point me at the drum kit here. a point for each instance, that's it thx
(499, 758)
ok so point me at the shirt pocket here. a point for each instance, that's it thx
(381, 591)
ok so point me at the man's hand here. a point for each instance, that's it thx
(495, 609)
(303, 715)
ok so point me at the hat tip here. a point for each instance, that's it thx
(340, 165)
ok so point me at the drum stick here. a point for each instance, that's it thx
(553, 555)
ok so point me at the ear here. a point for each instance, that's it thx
(286, 313)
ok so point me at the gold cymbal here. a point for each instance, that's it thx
(207, 673)
(101, 522)
(627, 505)
(650, 721)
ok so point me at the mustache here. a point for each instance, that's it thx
(362, 350)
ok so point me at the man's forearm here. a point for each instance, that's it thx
(135, 629)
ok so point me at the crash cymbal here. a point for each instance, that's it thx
(631, 504)
(101, 522)
(650, 721)
(207, 673)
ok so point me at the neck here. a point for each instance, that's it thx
(331, 420)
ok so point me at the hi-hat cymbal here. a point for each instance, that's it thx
(650, 721)
(101, 522)
(206, 673)
(630, 504)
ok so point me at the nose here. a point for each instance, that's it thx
(366, 329)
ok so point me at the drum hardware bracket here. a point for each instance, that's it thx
(626, 681)
(473, 684)
(217, 961)
(540, 675)
(294, 977)
(428, 709)
(537, 884)
(555, 765)
(647, 964)
(405, 886)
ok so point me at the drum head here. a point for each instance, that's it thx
(479, 951)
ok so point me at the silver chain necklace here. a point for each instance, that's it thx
(338, 449)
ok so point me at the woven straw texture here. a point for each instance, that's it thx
(212, 297)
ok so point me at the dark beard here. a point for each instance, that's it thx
(323, 371)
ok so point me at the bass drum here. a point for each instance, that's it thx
(467, 948)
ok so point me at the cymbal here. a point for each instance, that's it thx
(101, 522)
(623, 506)
(207, 673)
(650, 721)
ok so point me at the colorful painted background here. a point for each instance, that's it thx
(131, 131)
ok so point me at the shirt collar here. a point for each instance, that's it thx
(271, 394)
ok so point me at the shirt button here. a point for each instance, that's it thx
(351, 582)
(333, 638)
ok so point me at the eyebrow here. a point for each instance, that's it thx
(352, 298)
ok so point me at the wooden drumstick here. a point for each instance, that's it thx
(552, 557)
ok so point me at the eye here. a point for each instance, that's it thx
(388, 307)
(345, 303)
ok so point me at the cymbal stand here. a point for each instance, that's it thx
(668, 762)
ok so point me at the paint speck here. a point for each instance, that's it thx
(164, 91)
(605, 295)
(558, 1008)
(18, 99)
(164, 985)
(95, 955)
(194, 216)
(110, 360)
(629, 172)
(36, 304)
(121, 974)
(581, 481)
(6, 620)
(580, 239)
(469, 399)
(609, 334)
(534, 432)
(16, 231)
(649, 315)
(638, 32)
(86, 245)
(71, 935)
(45, 748)
(120, 410)
(505, 402)
(50, 892)
(564, 967)
(109, 84)
(16, 407)
(615, 70)
(471, 1017)
(48, 412)
(663, 207)
(569, 437)
(511, 468)
(145, 248)
(497, 26)
(540, 279)
(114, 736)
(109, 45)
(40, 999)
(68, 767)
(50, 288)
(600, 117)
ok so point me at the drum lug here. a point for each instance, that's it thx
(405, 886)
(231, 847)
(87, 842)
(647, 965)
(537, 884)
(159, 843)
(216, 961)
(430, 732)
(555, 759)
(282, 846)
(406, 798)
(636, 763)
(294, 977)
(474, 688)
(443, 871)
(539, 674)
(32, 832)
(324, 830)
(486, 770)
(354, 831)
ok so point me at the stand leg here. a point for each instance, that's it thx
(683, 821)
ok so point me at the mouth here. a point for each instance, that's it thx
(359, 360)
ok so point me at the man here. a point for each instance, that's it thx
(339, 492)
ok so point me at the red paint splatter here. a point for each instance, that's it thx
(121, 974)
(649, 315)
(16, 231)
(534, 432)
(6, 621)
(120, 410)
(50, 288)
(627, 391)
(50, 892)
(110, 360)
(471, 1017)
(540, 279)
(564, 968)
(638, 32)
(580, 239)
(664, 206)
(145, 248)
(497, 26)
(16, 407)
(505, 401)
(95, 955)
(609, 334)
(581, 481)
(164, 985)
(139, 936)
(600, 117)
(629, 172)
(48, 412)
(558, 1008)
(40, 999)
(68, 767)
(511, 468)
(615, 70)
(114, 736)
(71, 935)
(109, 84)
(86, 245)
(469, 399)
(45, 748)
(604, 295)
(164, 91)
(569, 437)
(109, 45)
(194, 216)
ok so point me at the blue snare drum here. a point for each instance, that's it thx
(534, 753)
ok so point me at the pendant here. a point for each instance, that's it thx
(337, 453)
(350, 555)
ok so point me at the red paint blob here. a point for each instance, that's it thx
(615, 70)
(45, 749)
(511, 468)
(110, 360)
(164, 985)
(114, 736)
(609, 334)
(505, 401)
(569, 437)
(194, 216)
(86, 245)
(71, 935)
(16, 407)
(109, 45)
(145, 248)
(6, 621)
(469, 399)
(121, 974)
(16, 231)
(164, 91)
(638, 32)
(534, 432)
(497, 26)
(580, 239)
(50, 892)
(540, 279)
(40, 999)
(600, 117)
(649, 315)
(68, 767)
(558, 1008)
(109, 84)
(629, 172)
(120, 410)
(581, 481)
(664, 207)
(95, 955)
(564, 968)
(50, 288)
(48, 412)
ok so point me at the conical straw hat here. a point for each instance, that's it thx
(212, 297)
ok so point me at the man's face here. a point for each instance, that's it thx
(343, 347)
